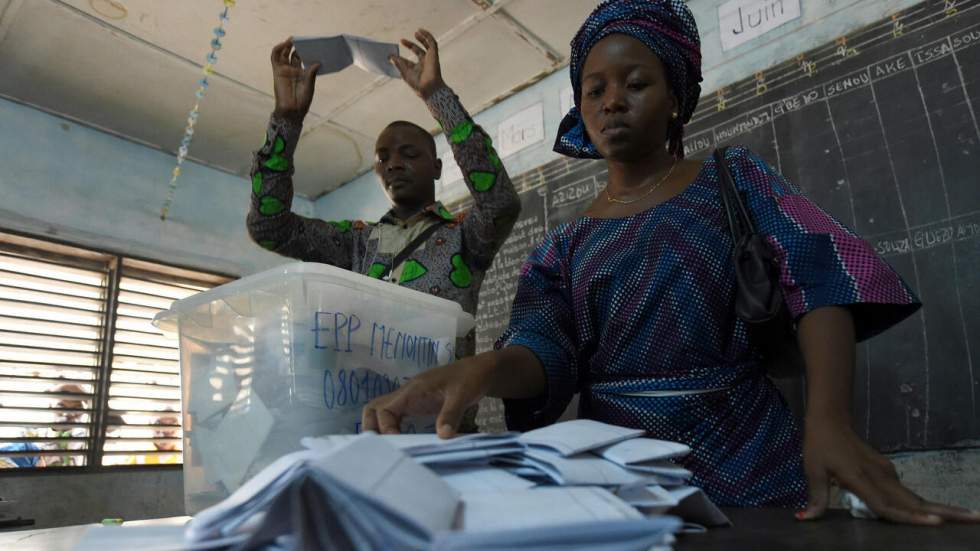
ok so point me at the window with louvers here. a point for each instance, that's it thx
(86, 380)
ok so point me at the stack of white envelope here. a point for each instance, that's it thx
(640, 471)
(579, 484)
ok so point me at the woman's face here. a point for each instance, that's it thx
(626, 100)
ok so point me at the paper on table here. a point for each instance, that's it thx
(431, 443)
(694, 506)
(335, 53)
(579, 435)
(481, 479)
(651, 500)
(418, 445)
(225, 517)
(479, 455)
(663, 469)
(372, 476)
(584, 469)
(371, 465)
(537, 508)
(641, 450)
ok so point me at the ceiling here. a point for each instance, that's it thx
(131, 67)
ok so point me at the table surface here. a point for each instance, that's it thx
(755, 530)
(764, 529)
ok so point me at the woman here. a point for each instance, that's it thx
(632, 305)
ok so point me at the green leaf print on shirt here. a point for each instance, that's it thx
(461, 132)
(483, 181)
(376, 270)
(413, 270)
(276, 161)
(445, 214)
(461, 275)
(257, 183)
(270, 206)
(343, 226)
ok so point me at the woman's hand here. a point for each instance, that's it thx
(425, 75)
(447, 391)
(832, 451)
(293, 84)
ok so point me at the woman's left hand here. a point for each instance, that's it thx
(425, 75)
(833, 452)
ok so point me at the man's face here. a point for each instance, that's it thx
(407, 165)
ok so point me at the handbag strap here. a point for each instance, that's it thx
(739, 221)
(411, 247)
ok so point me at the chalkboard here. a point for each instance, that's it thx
(879, 128)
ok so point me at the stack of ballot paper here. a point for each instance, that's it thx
(579, 484)
(582, 452)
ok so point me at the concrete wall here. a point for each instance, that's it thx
(77, 184)
(64, 499)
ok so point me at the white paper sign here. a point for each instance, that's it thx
(520, 131)
(742, 20)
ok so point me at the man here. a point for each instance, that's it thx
(454, 253)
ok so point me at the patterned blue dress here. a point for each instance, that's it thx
(622, 309)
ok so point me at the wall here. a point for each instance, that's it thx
(78, 184)
(63, 499)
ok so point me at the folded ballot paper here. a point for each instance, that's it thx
(335, 53)
(366, 492)
(574, 485)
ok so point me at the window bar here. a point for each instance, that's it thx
(101, 399)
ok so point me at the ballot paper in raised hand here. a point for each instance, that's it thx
(335, 53)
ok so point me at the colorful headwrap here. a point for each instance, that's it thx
(667, 27)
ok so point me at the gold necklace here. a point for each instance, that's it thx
(653, 188)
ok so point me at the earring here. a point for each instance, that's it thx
(673, 115)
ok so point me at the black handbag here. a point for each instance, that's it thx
(759, 300)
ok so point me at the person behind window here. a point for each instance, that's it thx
(65, 427)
